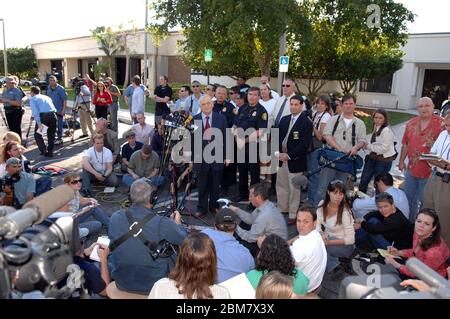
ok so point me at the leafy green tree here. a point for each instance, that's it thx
(21, 62)
(109, 42)
(243, 35)
(347, 45)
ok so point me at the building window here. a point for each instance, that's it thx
(378, 85)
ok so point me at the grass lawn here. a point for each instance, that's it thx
(394, 117)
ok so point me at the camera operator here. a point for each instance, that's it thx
(14, 149)
(23, 187)
(83, 106)
(134, 269)
(98, 166)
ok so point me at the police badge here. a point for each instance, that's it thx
(295, 135)
(224, 109)
(254, 113)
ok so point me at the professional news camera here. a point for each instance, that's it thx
(36, 254)
(388, 285)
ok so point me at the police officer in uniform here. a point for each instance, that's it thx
(253, 115)
(222, 106)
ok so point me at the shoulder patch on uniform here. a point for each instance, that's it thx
(264, 116)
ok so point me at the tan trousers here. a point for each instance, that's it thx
(437, 197)
(85, 121)
(288, 196)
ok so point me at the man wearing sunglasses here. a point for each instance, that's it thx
(281, 108)
(193, 101)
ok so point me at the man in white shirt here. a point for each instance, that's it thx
(282, 107)
(143, 131)
(308, 248)
(97, 166)
(383, 183)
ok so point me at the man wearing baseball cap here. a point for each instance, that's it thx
(232, 257)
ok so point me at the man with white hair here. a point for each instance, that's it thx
(420, 134)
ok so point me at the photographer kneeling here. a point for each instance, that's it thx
(136, 266)
(16, 184)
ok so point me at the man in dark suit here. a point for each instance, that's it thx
(294, 139)
(208, 159)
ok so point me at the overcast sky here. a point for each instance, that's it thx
(28, 22)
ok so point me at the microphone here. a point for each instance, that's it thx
(300, 181)
(188, 120)
(35, 211)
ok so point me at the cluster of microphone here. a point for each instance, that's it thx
(179, 119)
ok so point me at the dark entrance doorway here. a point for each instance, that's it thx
(135, 68)
(436, 85)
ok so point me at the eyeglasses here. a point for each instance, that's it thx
(196, 86)
(337, 182)
(286, 85)
(76, 181)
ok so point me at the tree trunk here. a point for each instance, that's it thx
(127, 64)
(110, 65)
(127, 70)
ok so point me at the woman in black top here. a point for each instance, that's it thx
(385, 227)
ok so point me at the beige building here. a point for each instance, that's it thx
(79, 56)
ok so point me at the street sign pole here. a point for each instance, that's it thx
(208, 59)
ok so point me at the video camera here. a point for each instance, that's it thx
(9, 181)
(37, 254)
(388, 285)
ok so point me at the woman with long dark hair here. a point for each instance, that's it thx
(102, 99)
(335, 223)
(381, 150)
(320, 119)
(428, 245)
(275, 255)
(195, 273)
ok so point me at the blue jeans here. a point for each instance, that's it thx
(43, 184)
(59, 125)
(326, 176)
(414, 189)
(113, 107)
(98, 214)
(371, 169)
(378, 241)
(155, 181)
(334, 252)
(312, 163)
(93, 226)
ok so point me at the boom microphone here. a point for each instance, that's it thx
(300, 181)
(35, 211)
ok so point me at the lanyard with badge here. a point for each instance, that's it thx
(101, 163)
